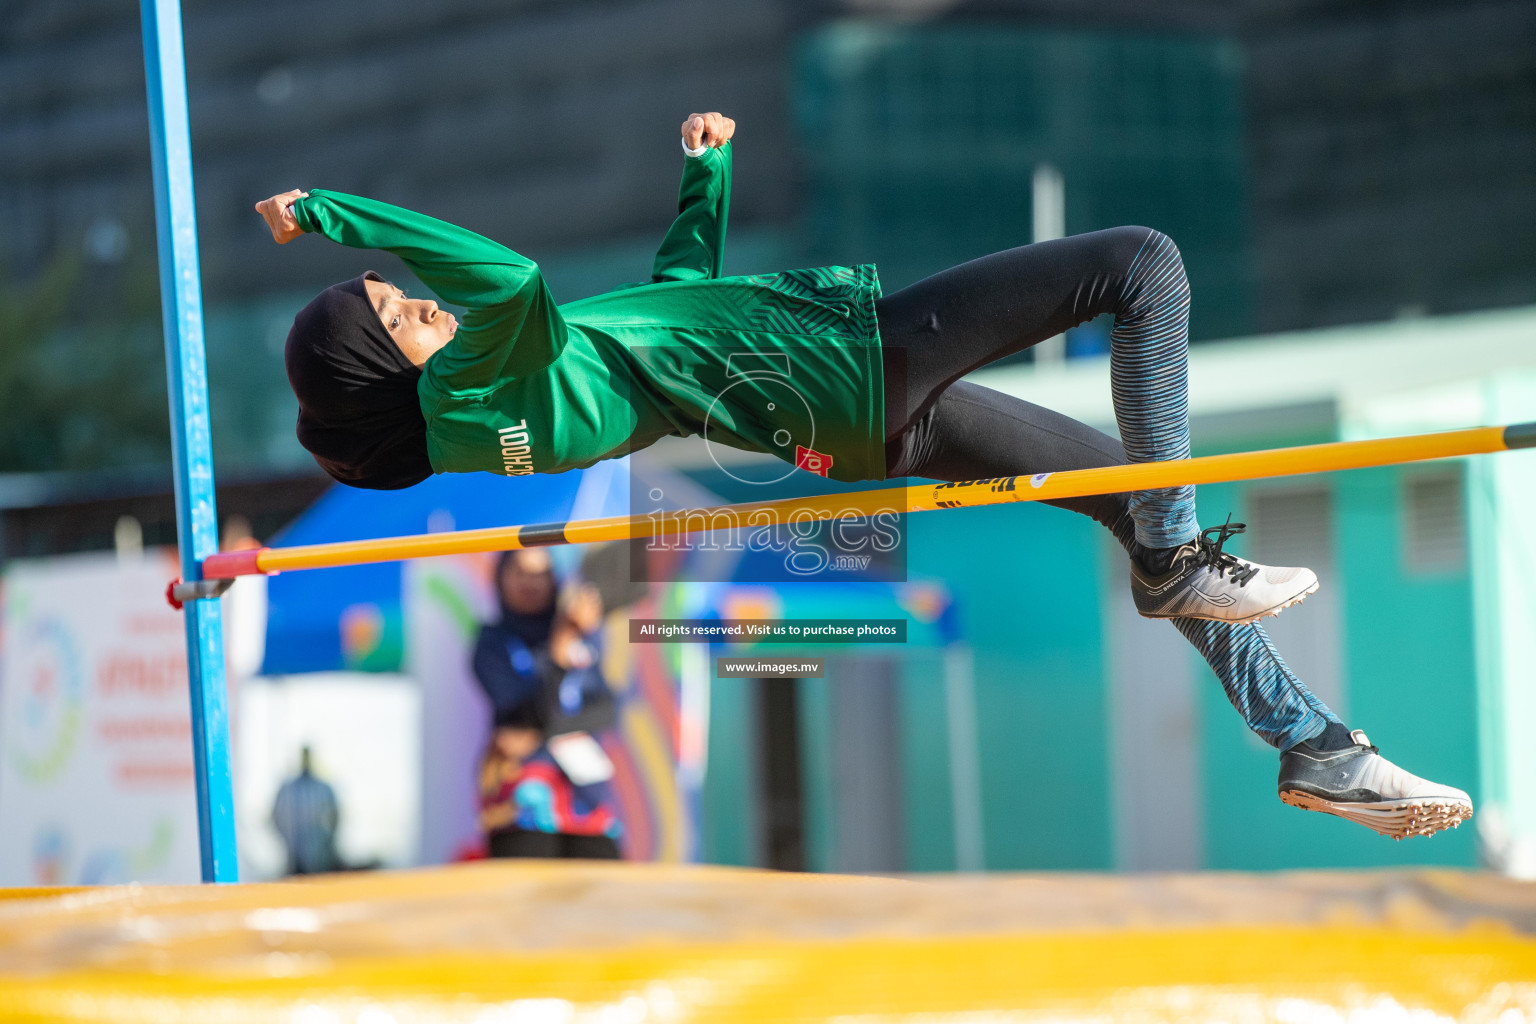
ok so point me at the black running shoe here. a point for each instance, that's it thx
(1359, 784)
(1205, 582)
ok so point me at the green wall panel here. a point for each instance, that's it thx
(1027, 580)
(729, 800)
(925, 765)
(816, 773)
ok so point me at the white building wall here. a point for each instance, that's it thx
(1502, 503)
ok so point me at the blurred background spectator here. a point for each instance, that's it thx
(544, 781)
(306, 814)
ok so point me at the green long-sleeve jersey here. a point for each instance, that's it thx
(785, 363)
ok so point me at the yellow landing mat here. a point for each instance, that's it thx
(540, 943)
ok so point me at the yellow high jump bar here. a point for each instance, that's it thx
(1209, 469)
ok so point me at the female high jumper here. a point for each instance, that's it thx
(393, 389)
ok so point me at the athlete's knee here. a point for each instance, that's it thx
(1130, 239)
(1161, 246)
(1160, 254)
(1114, 249)
(1155, 285)
(1138, 246)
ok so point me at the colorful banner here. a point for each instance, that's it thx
(96, 780)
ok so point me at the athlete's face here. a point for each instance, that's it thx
(416, 325)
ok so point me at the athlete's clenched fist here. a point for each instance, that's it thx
(278, 213)
(713, 129)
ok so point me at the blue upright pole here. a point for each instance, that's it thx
(181, 307)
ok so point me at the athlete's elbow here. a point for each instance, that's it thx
(509, 285)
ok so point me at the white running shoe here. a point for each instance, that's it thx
(1359, 784)
(1205, 582)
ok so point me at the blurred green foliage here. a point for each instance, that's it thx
(82, 377)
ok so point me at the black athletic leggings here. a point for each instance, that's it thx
(934, 332)
(946, 429)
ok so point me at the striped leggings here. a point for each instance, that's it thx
(943, 327)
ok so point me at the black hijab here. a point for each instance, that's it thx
(532, 629)
(359, 415)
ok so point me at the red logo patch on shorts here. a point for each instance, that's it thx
(811, 460)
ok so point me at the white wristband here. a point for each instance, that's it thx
(693, 152)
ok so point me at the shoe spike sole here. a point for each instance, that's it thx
(1277, 609)
(1396, 818)
(1267, 614)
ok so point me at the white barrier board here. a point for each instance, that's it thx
(96, 780)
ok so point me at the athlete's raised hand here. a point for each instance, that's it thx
(713, 129)
(278, 213)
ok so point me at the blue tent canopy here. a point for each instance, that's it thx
(350, 617)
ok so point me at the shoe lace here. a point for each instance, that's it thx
(1209, 552)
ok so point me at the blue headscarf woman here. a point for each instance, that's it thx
(507, 651)
(544, 783)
